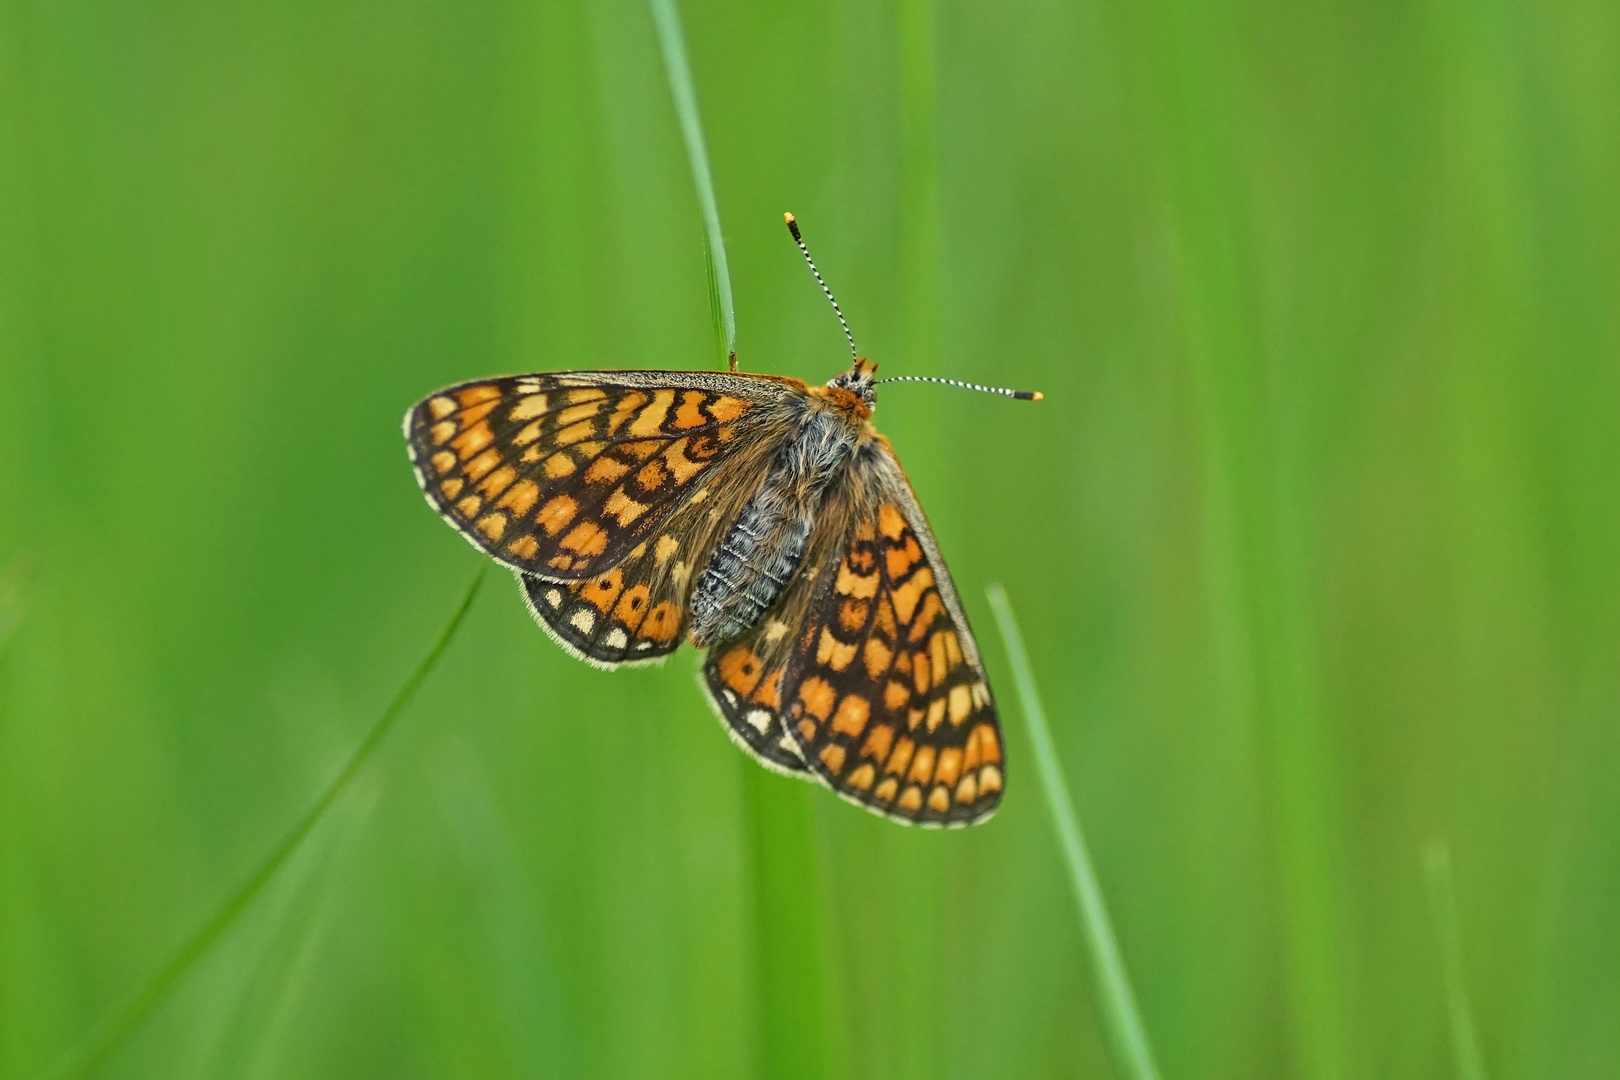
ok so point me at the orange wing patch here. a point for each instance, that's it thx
(562, 480)
(881, 696)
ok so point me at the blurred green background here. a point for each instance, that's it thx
(1315, 540)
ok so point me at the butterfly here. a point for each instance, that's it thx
(757, 517)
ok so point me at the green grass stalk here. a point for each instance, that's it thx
(667, 22)
(1122, 1022)
(1447, 928)
(795, 1029)
(86, 1058)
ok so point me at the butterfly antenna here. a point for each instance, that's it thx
(793, 227)
(1020, 395)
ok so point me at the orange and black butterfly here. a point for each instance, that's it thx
(757, 517)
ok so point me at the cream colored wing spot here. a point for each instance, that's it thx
(528, 408)
(623, 509)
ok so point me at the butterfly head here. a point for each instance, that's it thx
(858, 383)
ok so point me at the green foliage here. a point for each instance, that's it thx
(1129, 1047)
(88, 1056)
(1315, 539)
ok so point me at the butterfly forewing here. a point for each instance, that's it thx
(562, 476)
(884, 692)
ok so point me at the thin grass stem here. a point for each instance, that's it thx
(667, 22)
(1122, 1022)
(1447, 928)
(84, 1059)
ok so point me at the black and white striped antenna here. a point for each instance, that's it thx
(793, 227)
(1019, 395)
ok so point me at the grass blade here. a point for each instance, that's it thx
(292, 925)
(1443, 909)
(83, 1060)
(1122, 1022)
(667, 21)
(795, 1028)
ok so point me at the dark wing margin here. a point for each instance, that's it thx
(884, 691)
(562, 475)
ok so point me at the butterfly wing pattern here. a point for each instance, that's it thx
(608, 492)
(589, 485)
(879, 693)
(636, 612)
(745, 689)
(564, 475)
(884, 693)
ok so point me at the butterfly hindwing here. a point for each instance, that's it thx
(563, 475)
(743, 678)
(884, 692)
(603, 622)
(745, 689)
(637, 611)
